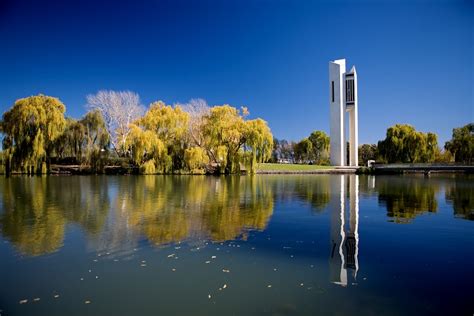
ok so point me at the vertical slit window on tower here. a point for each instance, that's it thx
(332, 90)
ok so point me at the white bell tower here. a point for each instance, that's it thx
(342, 99)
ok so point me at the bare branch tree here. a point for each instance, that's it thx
(197, 110)
(119, 109)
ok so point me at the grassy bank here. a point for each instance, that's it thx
(289, 167)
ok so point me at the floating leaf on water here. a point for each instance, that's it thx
(143, 265)
(96, 276)
(213, 257)
(225, 270)
(209, 296)
(274, 269)
(87, 302)
(171, 255)
(269, 285)
(173, 269)
(56, 295)
(208, 261)
(224, 286)
(23, 301)
(36, 299)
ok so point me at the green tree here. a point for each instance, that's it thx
(71, 142)
(87, 140)
(320, 147)
(304, 151)
(461, 144)
(367, 152)
(404, 144)
(96, 140)
(31, 127)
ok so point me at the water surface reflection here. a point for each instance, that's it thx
(293, 244)
(117, 212)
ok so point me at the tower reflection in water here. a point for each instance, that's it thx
(344, 245)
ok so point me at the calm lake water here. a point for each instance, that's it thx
(262, 245)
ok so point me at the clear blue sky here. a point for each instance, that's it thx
(415, 60)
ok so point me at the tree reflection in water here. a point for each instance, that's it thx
(461, 195)
(407, 197)
(116, 213)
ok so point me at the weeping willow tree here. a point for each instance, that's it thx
(148, 151)
(30, 128)
(224, 131)
(170, 125)
(157, 140)
(403, 143)
(96, 140)
(260, 141)
(86, 140)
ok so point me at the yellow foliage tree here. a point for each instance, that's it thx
(31, 126)
(259, 139)
(196, 159)
(224, 130)
(148, 151)
(167, 126)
